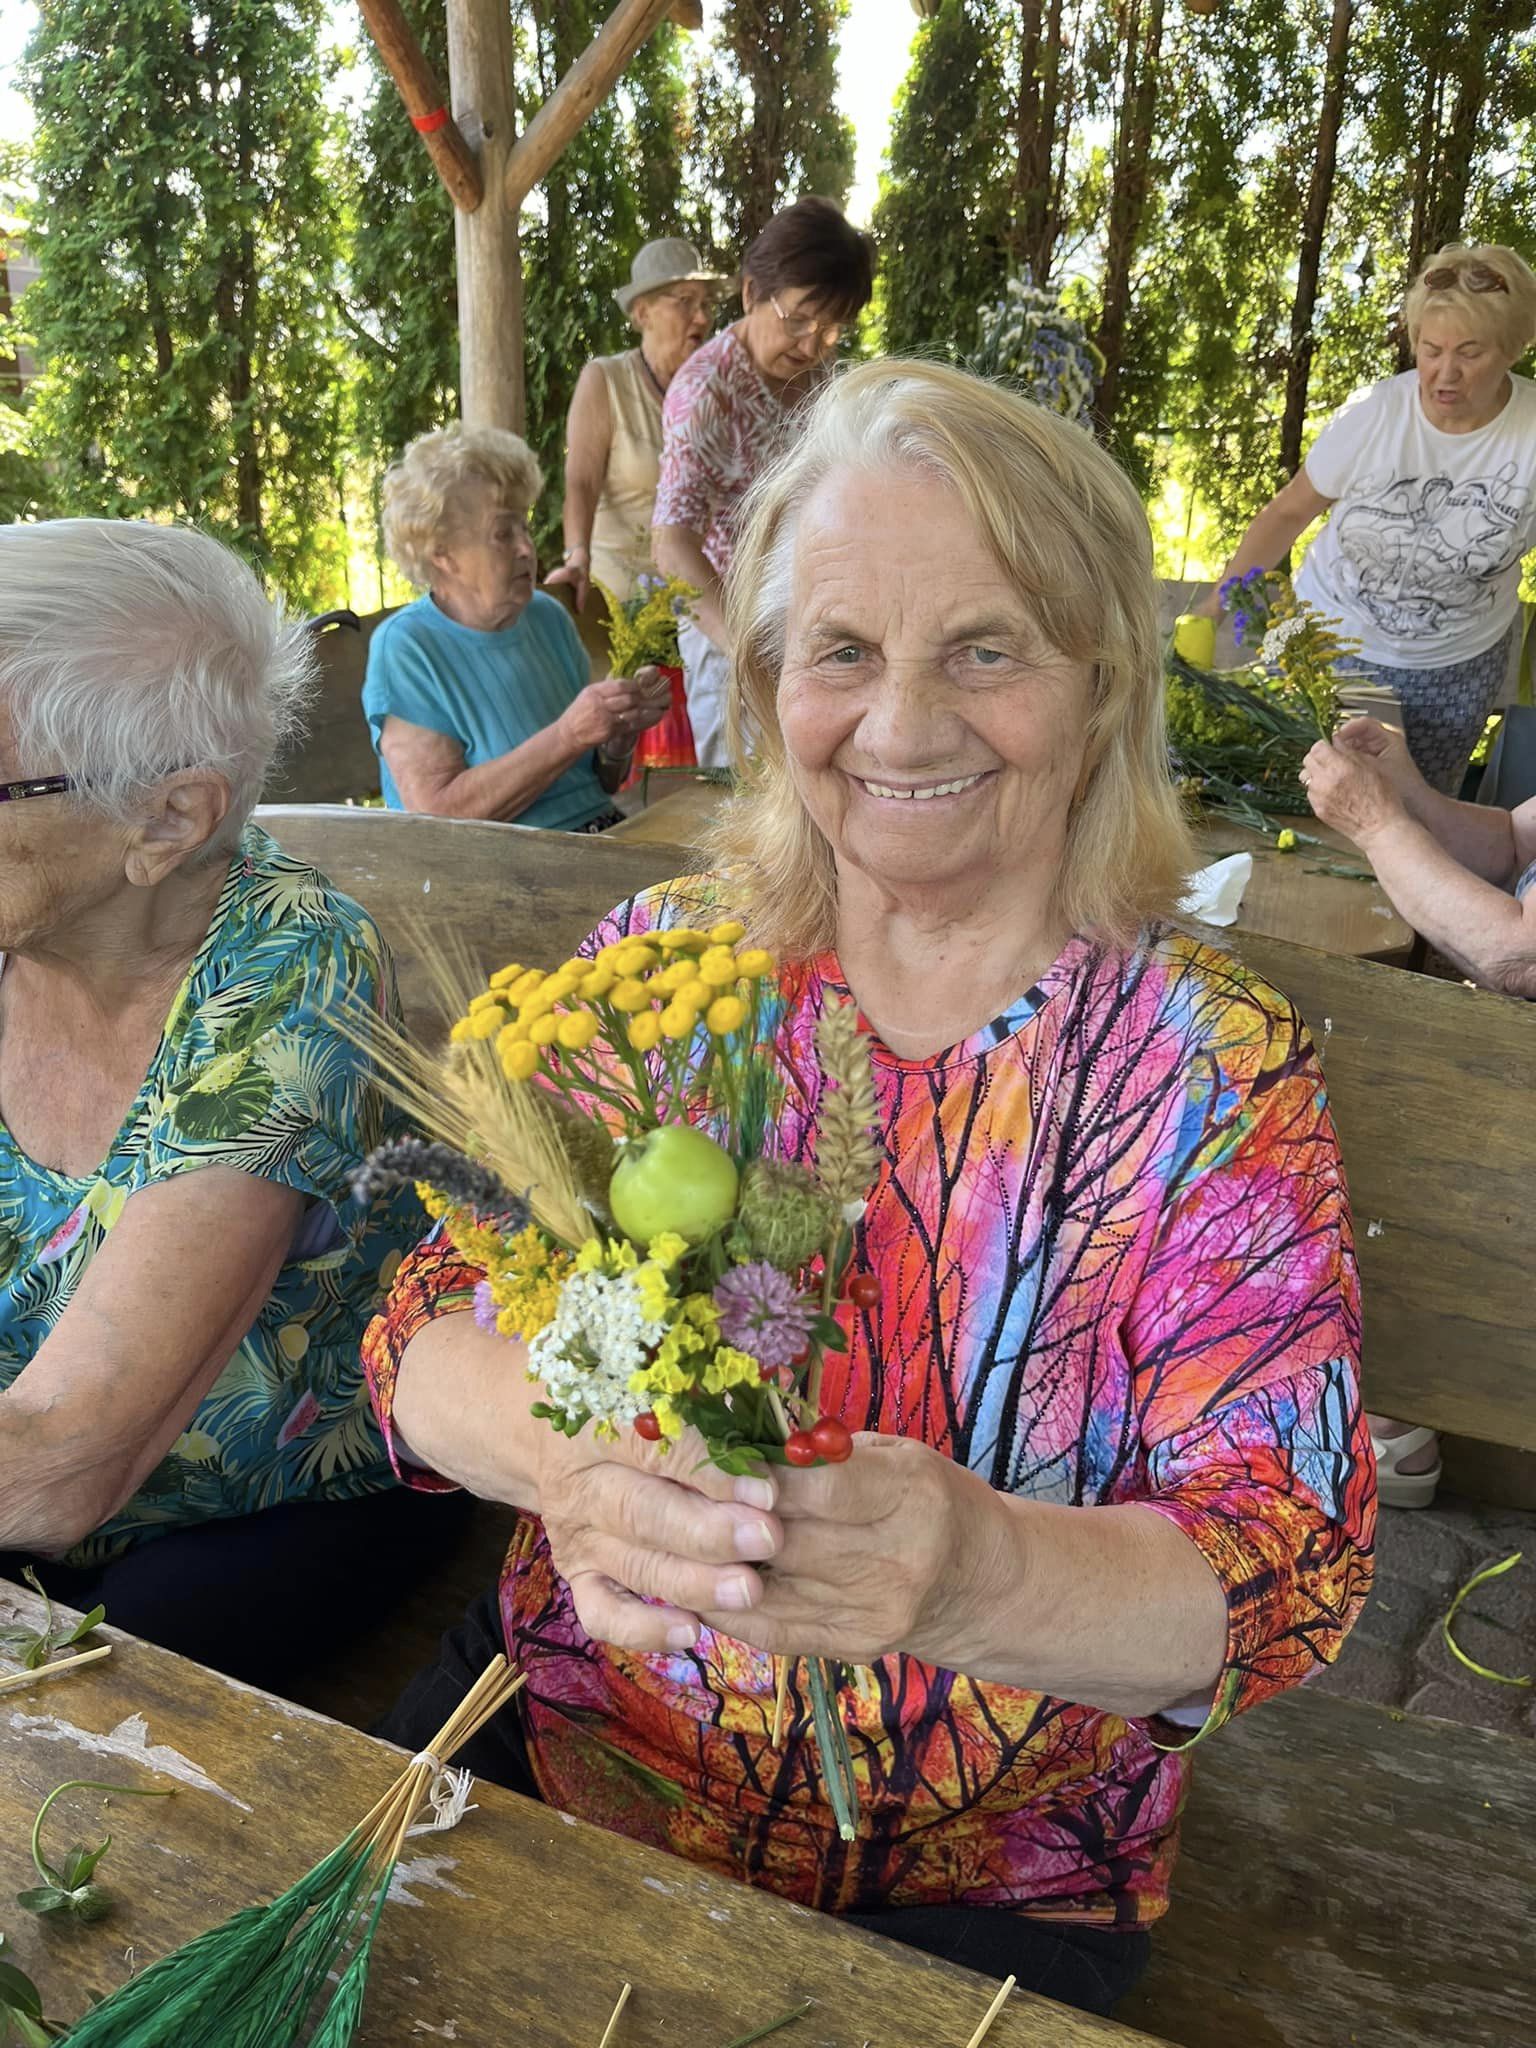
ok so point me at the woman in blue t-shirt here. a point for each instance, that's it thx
(477, 694)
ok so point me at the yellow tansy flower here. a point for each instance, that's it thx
(726, 1014)
(755, 964)
(577, 1032)
(520, 1060)
(644, 1031)
(728, 934)
(718, 967)
(631, 995)
(678, 1019)
(486, 1023)
(636, 958)
(544, 1029)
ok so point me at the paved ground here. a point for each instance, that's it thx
(1395, 1654)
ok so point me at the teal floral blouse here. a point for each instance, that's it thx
(250, 1072)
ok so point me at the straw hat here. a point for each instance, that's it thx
(658, 264)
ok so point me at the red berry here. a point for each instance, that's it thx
(647, 1426)
(832, 1440)
(864, 1290)
(801, 1355)
(801, 1449)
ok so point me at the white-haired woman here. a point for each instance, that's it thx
(1102, 1340)
(1429, 481)
(184, 1275)
(478, 694)
(613, 429)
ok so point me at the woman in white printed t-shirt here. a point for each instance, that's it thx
(1431, 477)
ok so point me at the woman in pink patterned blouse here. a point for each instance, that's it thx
(805, 278)
(1113, 1482)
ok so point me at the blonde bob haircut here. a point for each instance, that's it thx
(1068, 530)
(1501, 314)
(424, 490)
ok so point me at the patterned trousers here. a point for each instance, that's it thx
(1444, 709)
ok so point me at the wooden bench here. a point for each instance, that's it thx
(1352, 1877)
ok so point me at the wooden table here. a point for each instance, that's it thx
(517, 1930)
(1288, 897)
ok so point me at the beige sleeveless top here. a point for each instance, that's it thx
(621, 530)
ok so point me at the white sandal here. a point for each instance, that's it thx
(1395, 1489)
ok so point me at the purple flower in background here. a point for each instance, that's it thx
(762, 1312)
(1240, 622)
(486, 1310)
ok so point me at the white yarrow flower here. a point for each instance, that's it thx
(599, 1337)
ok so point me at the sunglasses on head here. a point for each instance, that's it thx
(36, 785)
(1477, 277)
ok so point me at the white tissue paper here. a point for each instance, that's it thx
(1215, 893)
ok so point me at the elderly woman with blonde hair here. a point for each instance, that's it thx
(1111, 1476)
(478, 694)
(184, 1274)
(1429, 483)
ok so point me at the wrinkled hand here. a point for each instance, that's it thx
(576, 575)
(653, 697)
(604, 714)
(1385, 747)
(629, 1524)
(879, 1553)
(1348, 789)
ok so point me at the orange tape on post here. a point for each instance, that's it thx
(428, 124)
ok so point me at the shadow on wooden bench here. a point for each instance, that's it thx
(1352, 1877)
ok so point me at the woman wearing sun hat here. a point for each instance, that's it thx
(613, 429)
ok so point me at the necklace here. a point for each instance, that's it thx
(657, 386)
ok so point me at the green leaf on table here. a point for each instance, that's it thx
(80, 1864)
(44, 1899)
(82, 1628)
(18, 1993)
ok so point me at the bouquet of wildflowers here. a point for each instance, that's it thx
(602, 1157)
(1239, 737)
(1028, 338)
(642, 628)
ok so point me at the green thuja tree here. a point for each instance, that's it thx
(187, 230)
(765, 127)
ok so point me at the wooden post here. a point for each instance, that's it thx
(424, 102)
(489, 262)
(588, 82)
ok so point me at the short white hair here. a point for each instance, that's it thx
(424, 490)
(130, 650)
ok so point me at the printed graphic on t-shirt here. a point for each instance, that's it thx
(1423, 556)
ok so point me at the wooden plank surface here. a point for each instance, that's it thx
(1351, 1877)
(1287, 897)
(519, 1927)
(1431, 1083)
(1433, 1087)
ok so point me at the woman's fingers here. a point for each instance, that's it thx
(611, 1615)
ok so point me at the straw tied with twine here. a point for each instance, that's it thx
(296, 1971)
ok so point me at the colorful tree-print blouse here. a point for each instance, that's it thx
(250, 1072)
(1114, 1247)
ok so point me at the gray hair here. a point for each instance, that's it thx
(130, 650)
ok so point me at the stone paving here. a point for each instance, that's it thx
(1395, 1654)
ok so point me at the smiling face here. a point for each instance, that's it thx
(483, 566)
(935, 738)
(1463, 378)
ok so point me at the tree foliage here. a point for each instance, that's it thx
(187, 230)
(765, 127)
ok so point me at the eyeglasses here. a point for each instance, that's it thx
(690, 302)
(799, 327)
(1477, 277)
(38, 785)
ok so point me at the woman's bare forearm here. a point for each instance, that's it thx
(463, 1408)
(680, 552)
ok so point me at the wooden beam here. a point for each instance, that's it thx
(424, 101)
(588, 82)
(488, 259)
